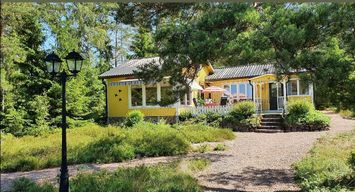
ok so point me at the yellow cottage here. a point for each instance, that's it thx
(212, 90)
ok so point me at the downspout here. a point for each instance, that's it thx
(106, 101)
(252, 90)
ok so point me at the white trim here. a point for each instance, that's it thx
(129, 96)
(311, 91)
(158, 92)
(144, 101)
(298, 86)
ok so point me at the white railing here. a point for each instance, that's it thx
(222, 109)
(280, 103)
(259, 106)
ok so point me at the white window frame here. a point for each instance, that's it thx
(237, 86)
(310, 88)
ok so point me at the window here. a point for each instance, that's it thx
(242, 89)
(151, 95)
(304, 88)
(136, 95)
(281, 90)
(249, 91)
(292, 87)
(226, 87)
(234, 89)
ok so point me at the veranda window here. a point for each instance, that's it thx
(292, 87)
(151, 95)
(304, 87)
(136, 95)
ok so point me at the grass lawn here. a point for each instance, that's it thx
(139, 179)
(95, 144)
(330, 166)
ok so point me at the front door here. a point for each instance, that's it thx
(273, 96)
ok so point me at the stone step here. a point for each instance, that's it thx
(272, 116)
(272, 120)
(268, 130)
(275, 123)
(270, 127)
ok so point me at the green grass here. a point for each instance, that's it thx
(330, 165)
(96, 144)
(164, 178)
(198, 164)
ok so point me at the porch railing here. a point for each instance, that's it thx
(222, 109)
(280, 103)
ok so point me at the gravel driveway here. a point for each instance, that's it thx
(262, 161)
(252, 162)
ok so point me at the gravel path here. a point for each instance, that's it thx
(262, 161)
(252, 162)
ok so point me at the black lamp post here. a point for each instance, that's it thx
(74, 62)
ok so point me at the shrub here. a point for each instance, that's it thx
(185, 115)
(93, 143)
(328, 166)
(220, 147)
(297, 110)
(157, 140)
(197, 133)
(242, 110)
(139, 179)
(198, 164)
(26, 185)
(133, 117)
(301, 115)
(316, 118)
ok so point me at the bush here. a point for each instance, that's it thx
(198, 164)
(220, 147)
(185, 116)
(197, 133)
(139, 179)
(242, 110)
(328, 166)
(92, 144)
(26, 185)
(157, 140)
(133, 117)
(301, 115)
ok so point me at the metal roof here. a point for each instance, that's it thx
(241, 71)
(128, 67)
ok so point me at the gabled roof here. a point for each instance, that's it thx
(127, 68)
(241, 71)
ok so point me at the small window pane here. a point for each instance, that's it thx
(242, 94)
(151, 95)
(234, 89)
(250, 92)
(304, 88)
(292, 87)
(136, 92)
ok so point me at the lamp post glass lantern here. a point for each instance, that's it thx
(53, 63)
(74, 61)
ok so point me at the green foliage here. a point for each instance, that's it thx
(197, 133)
(143, 45)
(133, 117)
(139, 179)
(157, 178)
(185, 116)
(95, 144)
(220, 147)
(302, 113)
(242, 110)
(198, 164)
(329, 165)
(202, 148)
(26, 185)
